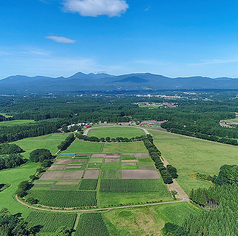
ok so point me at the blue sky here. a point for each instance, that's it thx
(173, 38)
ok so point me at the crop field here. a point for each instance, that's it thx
(57, 198)
(79, 146)
(91, 224)
(192, 155)
(132, 185)
(51, 222)
(88, 184)
(114, 132)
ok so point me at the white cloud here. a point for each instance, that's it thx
(60, 39)
(96, 7)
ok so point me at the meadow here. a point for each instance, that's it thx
(79, 146)
(49, 141)
(124, 147)
(192, 155)
(15, 122)
(114, 132)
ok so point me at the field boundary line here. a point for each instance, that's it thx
(98, 209)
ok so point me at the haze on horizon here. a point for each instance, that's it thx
(172, 38)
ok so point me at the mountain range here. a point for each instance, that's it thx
(81, 82)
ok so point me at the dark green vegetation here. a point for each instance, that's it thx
(11, 161)
(133, 185)
(13, 225)
(40, 155)
(91, 224)
(59, 198)
(51, 221)
(66, 143)
(88, 184)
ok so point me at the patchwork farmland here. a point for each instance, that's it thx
(78, 180)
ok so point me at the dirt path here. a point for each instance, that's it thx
(98, 209)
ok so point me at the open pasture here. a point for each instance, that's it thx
(79, 146)
(121, 147)
(192, 155)
(114, 132)
(49, 141)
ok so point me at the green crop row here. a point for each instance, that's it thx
(91, 224)
(131, 185)
(88, 184)
(50, 222)
(58, 198)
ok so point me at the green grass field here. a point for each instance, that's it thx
(49, 141)
(192, 155)
(15, 122)
(147, 220)
(83, 147)
(114, 132)
(124, 147)
(14, 176)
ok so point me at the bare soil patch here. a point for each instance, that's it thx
(67, 183)
(99, 155)
(57, 167)
(77, 174)
(139, 174)
(129, 163)
(79, 160)
(111, 155)
(112, 159)
(62, 161)
(91, 174)
(141, 155)
(74, 167)
(50, 175)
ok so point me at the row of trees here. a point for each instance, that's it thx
(167, 173)
(16, 132)
(67, 142)
(109, 139)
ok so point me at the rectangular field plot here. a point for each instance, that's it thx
(83, 147)
(111, 166)
(128, 157)
(129, 167)
(91, 224)
(57, 198)
(94, 165)
(50, 222)
(112, 160)
(131, 185)
(57, 167)
(91, 174)
(88, 184)
(124, 147)
(96, 160)
(139, 174)
(51, 175)
(111, 174)
(77, 174)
